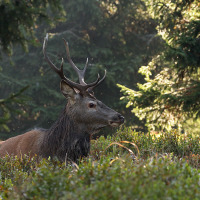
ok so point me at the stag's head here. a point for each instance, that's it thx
(86, 110)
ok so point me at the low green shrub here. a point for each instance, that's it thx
(128, 165)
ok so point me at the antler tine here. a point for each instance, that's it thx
(79, 72)
(90, 85)
(86, 65)
(82, 88)
(98, 82)
(58, 71)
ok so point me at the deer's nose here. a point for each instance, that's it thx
(121, 118)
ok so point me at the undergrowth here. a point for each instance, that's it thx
(128, 165)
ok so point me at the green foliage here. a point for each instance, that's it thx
(20, 19)
(19, 26)
(170, 94)
(6, 107)
(167, 167)
(150, 144)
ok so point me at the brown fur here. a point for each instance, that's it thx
(64, 140)
(1, 142)
(27, 143)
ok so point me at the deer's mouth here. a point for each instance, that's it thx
(115, 123)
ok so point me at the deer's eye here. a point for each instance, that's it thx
(91, 105)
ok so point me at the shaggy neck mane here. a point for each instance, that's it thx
(64, 141)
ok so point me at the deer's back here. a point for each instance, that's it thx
(27, 143)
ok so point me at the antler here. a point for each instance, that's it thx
(80, 73)
(82, 87)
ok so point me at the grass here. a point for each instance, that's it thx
(128, 165)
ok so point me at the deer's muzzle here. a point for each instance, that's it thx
(117, 120)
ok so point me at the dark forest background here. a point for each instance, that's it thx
(151, 49)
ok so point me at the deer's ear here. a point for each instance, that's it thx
(67, 91)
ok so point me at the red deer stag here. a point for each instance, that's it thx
(69, 137)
